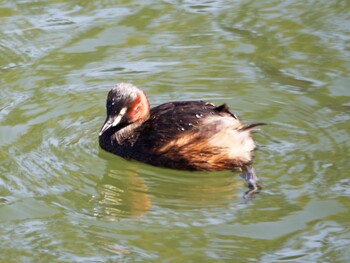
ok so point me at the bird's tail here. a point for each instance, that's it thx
(252, 126)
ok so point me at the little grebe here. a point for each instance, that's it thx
(188, 135)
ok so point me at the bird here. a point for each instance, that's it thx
(183, 135)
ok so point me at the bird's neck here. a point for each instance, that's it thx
(126, 133)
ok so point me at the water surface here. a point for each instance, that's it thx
(62, 199)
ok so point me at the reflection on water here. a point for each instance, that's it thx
(122, 195)
(128, 193)
(62, 199)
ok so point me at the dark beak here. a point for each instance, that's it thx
(113, 121)
(108, 124)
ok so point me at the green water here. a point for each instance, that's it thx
(62, 199)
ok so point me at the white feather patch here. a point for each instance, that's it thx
(119, 117)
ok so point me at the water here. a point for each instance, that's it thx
(62, 199)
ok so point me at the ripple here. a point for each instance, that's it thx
(310, 247)
(199, 7)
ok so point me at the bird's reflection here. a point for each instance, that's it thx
(122, 193)
(130, 191)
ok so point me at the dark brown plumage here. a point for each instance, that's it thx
(189, 135)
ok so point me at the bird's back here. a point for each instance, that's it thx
(192, 135)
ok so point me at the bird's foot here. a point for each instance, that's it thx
(252, 181)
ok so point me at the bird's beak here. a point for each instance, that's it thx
(112, 121)
(108, 124)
